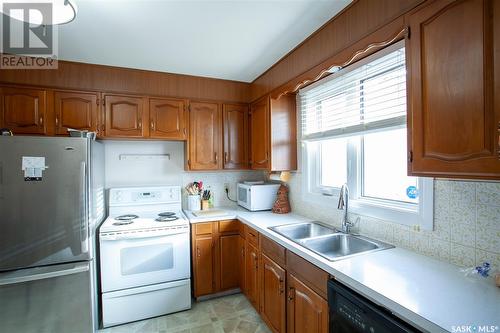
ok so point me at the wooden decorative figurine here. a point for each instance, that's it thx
(282, 205)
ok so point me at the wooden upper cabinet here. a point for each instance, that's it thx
(283, 133)
(306, 310)
(76, 110)
(124, 116)
(454, 89)
(259, 135)
(272, 299)
(235, 121)
(167, 118)
(24, 111)
(273, 134)
(204, 144)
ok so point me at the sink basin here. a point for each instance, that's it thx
(328, 242)
(336, 246)
(300, 231)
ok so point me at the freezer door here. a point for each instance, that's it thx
(45, 221)
(47, 299)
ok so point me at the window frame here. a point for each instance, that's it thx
(410, 214)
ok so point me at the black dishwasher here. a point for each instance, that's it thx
(350, 313)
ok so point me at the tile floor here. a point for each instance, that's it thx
(221, 315)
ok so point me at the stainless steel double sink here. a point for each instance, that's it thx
(328, 242)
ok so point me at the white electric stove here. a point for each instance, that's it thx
(144, 255)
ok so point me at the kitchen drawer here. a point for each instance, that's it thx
(203, 228)
(252, 236)
(314, 277)
(229, 226)
(273, 250)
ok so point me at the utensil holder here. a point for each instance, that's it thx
(205, 204)
(193, 202)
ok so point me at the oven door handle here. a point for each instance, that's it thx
(141, 235)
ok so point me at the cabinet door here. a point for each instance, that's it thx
(235, 120)
(252, 275)
(307, 311)
(241, 266)
(454, 109)
(204, 136)
(77, 110)
(204, 282)
(272, 300)
(24, 110)
(124, 116)
(259, 135)
(229, 261)
(167, 118)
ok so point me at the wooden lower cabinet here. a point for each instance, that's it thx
(241, 264)
(203, 260)
(252, 275)
(306, 310)
(272, 300)
(228, 261)
(215, 265)
(286, 290)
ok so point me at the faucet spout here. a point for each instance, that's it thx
(344, 205)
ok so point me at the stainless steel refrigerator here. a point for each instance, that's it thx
(51, 202)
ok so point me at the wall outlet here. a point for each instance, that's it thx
(226, 187)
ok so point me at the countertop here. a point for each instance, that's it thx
(432, 295)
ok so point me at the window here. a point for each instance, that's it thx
(353, 130)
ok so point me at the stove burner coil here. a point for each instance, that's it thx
(126, 217)
(166, 218)
(166, 214)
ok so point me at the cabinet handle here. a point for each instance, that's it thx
(198, 253)
(139, 125)
(291, 292)
(225, 156)
(216, 157)
(152, 125)
(282, 290)
(41, 120)
(57, 121)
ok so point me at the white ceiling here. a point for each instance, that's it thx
(234, 40)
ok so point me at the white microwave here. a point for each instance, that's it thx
(257, 196)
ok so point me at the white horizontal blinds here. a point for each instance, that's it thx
(356, 99)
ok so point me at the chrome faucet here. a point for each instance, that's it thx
(344, 204)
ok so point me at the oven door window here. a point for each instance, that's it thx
(148, 258)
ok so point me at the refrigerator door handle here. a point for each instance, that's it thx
(84, 222)
(34, 274)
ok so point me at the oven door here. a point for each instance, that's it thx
(140, 259)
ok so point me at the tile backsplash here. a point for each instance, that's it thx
(144, 172)
(466, 222)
